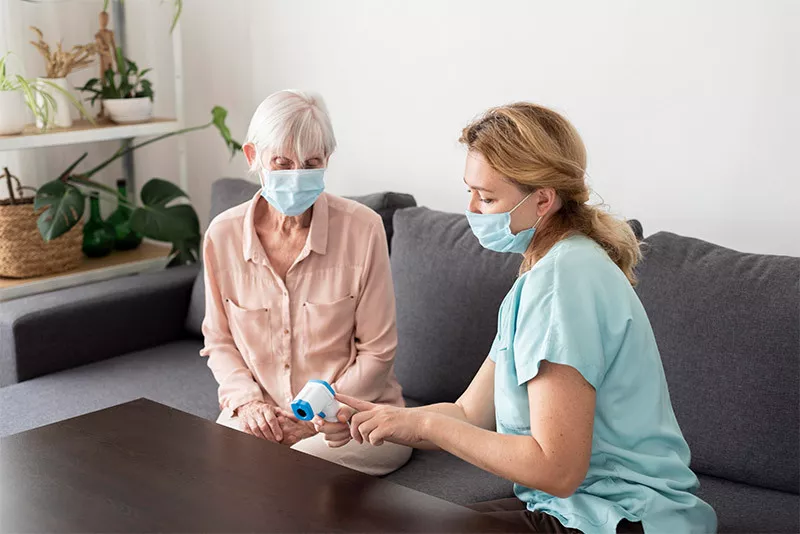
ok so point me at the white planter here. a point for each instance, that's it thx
(61, 116)
(129, 110)
(12, 112)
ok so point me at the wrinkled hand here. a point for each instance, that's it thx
(336, 434)
(260, 420)
(294, 431)
(376, 423)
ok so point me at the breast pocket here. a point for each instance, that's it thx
(329, 326)
(251, 331)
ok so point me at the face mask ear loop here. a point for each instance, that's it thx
(520, 203)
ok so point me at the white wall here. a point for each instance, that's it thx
(690, 109)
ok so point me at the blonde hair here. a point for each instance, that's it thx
(291, 120)
(535, 147)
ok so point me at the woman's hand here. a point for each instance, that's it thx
(376, 423)
(260, 419)
(294, 431)
(336, 434)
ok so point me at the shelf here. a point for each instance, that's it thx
(83, 132)
(148, 257)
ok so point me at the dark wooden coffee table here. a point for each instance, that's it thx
(144, 467)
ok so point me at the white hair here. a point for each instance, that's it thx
(294, 121)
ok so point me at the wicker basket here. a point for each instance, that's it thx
(23, 251)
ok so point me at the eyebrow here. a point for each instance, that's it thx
(476, 188)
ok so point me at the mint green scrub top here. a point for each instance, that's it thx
(577, 308)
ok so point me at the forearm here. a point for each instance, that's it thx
(447, 409)
(517, 458)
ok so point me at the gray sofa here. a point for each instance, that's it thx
(727, 324)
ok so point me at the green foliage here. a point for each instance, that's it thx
(127, 82)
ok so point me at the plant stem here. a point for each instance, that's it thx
(120, 153)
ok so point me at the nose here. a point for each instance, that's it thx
(474, 203)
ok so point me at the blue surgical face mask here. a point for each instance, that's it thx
(292, 192)
(493, 230)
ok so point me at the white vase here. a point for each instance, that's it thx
(12, 112)
(61, 116)
(129, 110)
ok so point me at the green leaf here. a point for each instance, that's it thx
(144, 73)
(133, 68)
(65, 204)
(121, 67)
(175, 224)
(159, 193)
(219, 115)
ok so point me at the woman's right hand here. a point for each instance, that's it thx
(336, 434)
(260, 419)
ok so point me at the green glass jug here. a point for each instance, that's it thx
(124, 237)
(98, 235)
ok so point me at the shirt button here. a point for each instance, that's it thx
(286, 366)
(286, 332)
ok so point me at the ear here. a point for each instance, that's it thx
(250, 153)
(545, 200)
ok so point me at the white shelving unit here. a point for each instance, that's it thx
(150, 256)
(83, 132)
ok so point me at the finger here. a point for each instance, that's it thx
(344, 414)
(355, 403)
(357, 420)
(366, 428)
(288, 415)
(337, 444)
(274, 426)
(377, 436)
(254, 429)
(263, 427)
(338, 436)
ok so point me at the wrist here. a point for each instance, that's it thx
(427, 426)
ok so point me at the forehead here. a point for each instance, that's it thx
(478, 174)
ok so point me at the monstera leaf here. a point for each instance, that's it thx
(177, 224)
(64, 203)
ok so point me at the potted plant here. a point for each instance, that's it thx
(59, 63)
(163, 214)
(126, 94)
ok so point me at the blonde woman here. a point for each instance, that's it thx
(298, 287)
(571, 403)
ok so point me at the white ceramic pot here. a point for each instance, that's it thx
(129, 110)
(61, 115)
(12, 112)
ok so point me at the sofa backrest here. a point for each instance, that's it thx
(448, 290)
(229, 192)
(728, 330)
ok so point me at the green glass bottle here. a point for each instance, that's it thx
(124, 237)
(98, 235)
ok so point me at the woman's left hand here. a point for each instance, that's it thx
(376, 423)
(294, 431)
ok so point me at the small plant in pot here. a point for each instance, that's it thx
(126, 95)
(18, 92)
(59, 64)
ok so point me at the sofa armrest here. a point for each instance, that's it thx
(50, 332)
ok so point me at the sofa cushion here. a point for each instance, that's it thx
(443, 475)
(229, 192)
(173, 374)
(749, 509)
(728, 329)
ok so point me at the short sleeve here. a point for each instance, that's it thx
(495, 348)
(558, 320)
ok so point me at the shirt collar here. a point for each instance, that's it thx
(317, 234)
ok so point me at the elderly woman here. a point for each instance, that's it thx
(298, 287)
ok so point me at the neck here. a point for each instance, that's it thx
(271, 218)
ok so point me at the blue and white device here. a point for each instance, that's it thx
(316, 398)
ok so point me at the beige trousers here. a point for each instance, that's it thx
(366, 458)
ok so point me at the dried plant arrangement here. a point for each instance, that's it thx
(59, 62)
